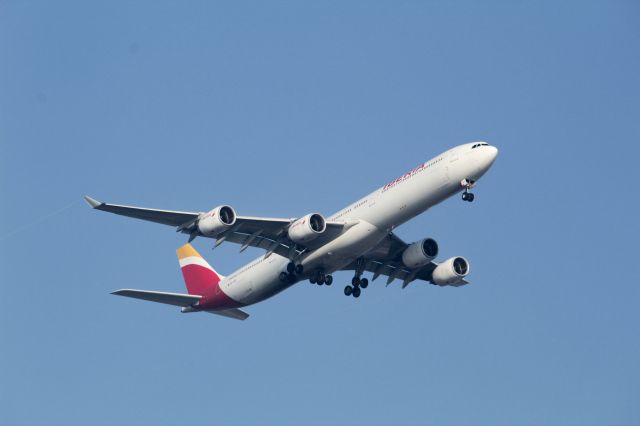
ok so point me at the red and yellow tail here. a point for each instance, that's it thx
(199, 277)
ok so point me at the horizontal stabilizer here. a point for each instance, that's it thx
(176, 299)
(232, 313)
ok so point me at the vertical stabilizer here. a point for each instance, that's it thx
(199, 277)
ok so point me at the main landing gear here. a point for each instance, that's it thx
(292, 268)
(287, 278)
(467, 184)
(319, 277)
(293, 271)
(357, 282)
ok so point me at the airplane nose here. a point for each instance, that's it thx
(492, 153)
(488, 156)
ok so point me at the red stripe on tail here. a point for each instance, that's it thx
(199, 280)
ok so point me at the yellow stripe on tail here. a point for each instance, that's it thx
(187, 250)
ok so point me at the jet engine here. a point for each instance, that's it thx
(307, 228)
(420, 253)
(217, 220)
(451, 271)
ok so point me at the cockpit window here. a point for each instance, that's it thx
(479, 144)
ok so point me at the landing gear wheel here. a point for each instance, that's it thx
(299, 269)
(291, 267)
(284, 276)
(313, 279)
(348, 290)
(364, 283)
(321, 279)
(356, 292)
(355, 281)
(465, 196)
(328, 280)
(470, 197)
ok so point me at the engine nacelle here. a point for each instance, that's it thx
(420, 253)
(451, 271)
(307, 228)
(217, 220)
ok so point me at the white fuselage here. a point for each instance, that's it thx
(369, 220)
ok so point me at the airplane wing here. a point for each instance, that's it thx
(262, 232)
(386, 259)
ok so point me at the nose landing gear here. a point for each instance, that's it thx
(467, 184)
(467, 196)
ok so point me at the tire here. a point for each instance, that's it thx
(348, 290)
(355, 281)
(470, 197)
(328, 280)
(321, 279)
(291, 267)
(356, 292)
(464, 196)
(364, 283)
(312, 279)
(283, 276)
(299, 269)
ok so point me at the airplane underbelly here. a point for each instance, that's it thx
(260, 283)
(345, 249)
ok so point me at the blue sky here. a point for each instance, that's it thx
(283, 108)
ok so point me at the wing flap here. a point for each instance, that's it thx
(175, 299)
(259, 241)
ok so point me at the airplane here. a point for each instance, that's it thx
(358, 238)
